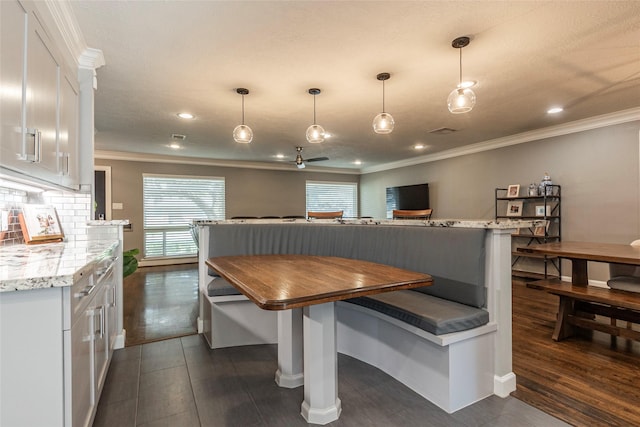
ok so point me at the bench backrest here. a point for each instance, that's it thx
(454, 257)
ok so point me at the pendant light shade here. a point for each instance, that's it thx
(315, 132)
(461, 99)
(242, 133)
(383, 123)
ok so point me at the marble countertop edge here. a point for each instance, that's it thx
(444, 223)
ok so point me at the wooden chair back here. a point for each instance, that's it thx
(325, 215)
(412, 214)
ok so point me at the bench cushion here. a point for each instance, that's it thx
(435, 315)
(220, 287)
(625, 283)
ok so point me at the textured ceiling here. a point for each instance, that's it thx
(165, 57)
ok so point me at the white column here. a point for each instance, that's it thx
(321, 403)
(89, 61)
(290, 355)
(498, 280)
(122, 333)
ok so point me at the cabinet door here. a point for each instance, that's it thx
(13, 24)
(100, 338)
(82, 396)
(68, 133)
(41, 123)
(112, 312)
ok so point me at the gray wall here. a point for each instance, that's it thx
(598, 170)
(249, 192)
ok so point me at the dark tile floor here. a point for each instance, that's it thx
(181, 382)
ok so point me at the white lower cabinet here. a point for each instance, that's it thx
(56, 345)
(82, 400)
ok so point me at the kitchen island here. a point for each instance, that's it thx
(59, 325)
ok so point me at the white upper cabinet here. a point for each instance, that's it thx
(39, 101)
(41, 118)
(13, 20)
(68, 133)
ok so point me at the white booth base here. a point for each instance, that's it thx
(234, 320)
(452, 370)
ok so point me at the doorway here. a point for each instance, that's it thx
(102, 192)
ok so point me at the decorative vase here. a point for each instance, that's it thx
(545, 187)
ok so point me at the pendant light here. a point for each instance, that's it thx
(242, 133)
(461, 99)
(315, 132)
(383, 123)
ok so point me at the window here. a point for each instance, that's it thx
(170, 205)
(324, 196)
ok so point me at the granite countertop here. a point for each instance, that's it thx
(26, 267)
(450, 223)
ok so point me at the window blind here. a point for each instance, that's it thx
(170, 204)
(325, 196)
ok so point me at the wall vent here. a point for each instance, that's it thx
(178, 137)
(442, 131)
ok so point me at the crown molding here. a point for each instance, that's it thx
(62, 17)
(611, 119)
(159, 158)
(91, 59)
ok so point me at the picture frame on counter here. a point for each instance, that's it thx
(40, 224)
(513, 190)
(514, 208)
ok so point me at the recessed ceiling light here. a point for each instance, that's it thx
(186, 115)
(555, 110)
(419, 146)
(280, 156)
(175, 146)
(357, 162)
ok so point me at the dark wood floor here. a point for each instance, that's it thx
(160, 303)
(585, 381)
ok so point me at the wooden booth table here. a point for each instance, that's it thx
(579, 296)
(305, 289)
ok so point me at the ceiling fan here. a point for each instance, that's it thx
(300, 161)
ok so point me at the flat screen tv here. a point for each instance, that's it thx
(408, 197)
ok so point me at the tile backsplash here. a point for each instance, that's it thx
(73, 209)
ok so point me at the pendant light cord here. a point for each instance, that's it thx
(243, 110)
(383, 96)
(314, 109)
(460, 49)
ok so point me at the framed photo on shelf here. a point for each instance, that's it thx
(540, 210)
(40, 224)
(539, 231)
(514, 208)
(513, 190)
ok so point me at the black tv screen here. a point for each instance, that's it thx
(410, 197)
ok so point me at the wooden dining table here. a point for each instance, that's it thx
(580, 253)
(579, 303)
(304, 288)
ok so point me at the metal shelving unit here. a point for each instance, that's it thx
(530, 266)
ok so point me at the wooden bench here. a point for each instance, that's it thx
(579, 306)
